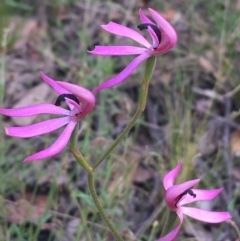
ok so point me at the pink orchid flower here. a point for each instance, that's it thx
(178, 195)
(163, 37)
(80, 102)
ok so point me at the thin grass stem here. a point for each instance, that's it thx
(141, 106)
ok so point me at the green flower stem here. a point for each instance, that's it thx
(169, 224)
(77, 154)
(2, 83)
(141, 106)
(100, 209)
(81, 160)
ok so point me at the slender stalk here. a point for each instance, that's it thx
(2, 83)
(150, 220)
(234, 225)
(81, 160)
(100, 209)
(141, 106)
(77, 154)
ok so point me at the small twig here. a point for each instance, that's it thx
(209, 93)
(217, 117)
(215, 96)
(150, 220)
(227, 158)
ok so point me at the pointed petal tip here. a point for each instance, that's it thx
(27, 160)
(103, 25)
(31, 159)
(42, 74)
(91, 51)
(106, 25)
(169, 178)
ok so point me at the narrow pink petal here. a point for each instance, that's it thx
(37, 129)
(56, 147)
(123, 31)
(34, 110)
(117, 50)
(206, 216)
(167, 29)
(74, 104)
(169, 178)
(154, 37)
(200, 195)
(54, 84)
(123, 74)
(143, 17)
(172, 234)
(173, 192)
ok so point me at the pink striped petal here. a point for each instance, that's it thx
(143, 17)
(172, 234)
(60, 90)
(206, 216)
(201, 195)
(123, 31)
(175, 191)
(123, 74)
(37, 129)
(167, 29)
(56, 147)
(117, 50)
(169, 178)
(35, 110)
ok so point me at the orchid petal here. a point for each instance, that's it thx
(56, 147)
(74, 104)
(154, 37)
(37, 129)
(169, 178)
(123, 74)
(123, 31)
(201, 195)
(143, 17)
(117, 50)
(169, 32)
(34, 110)
(172, 234)
(206, 216)
(175, 191)
(60, 90)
